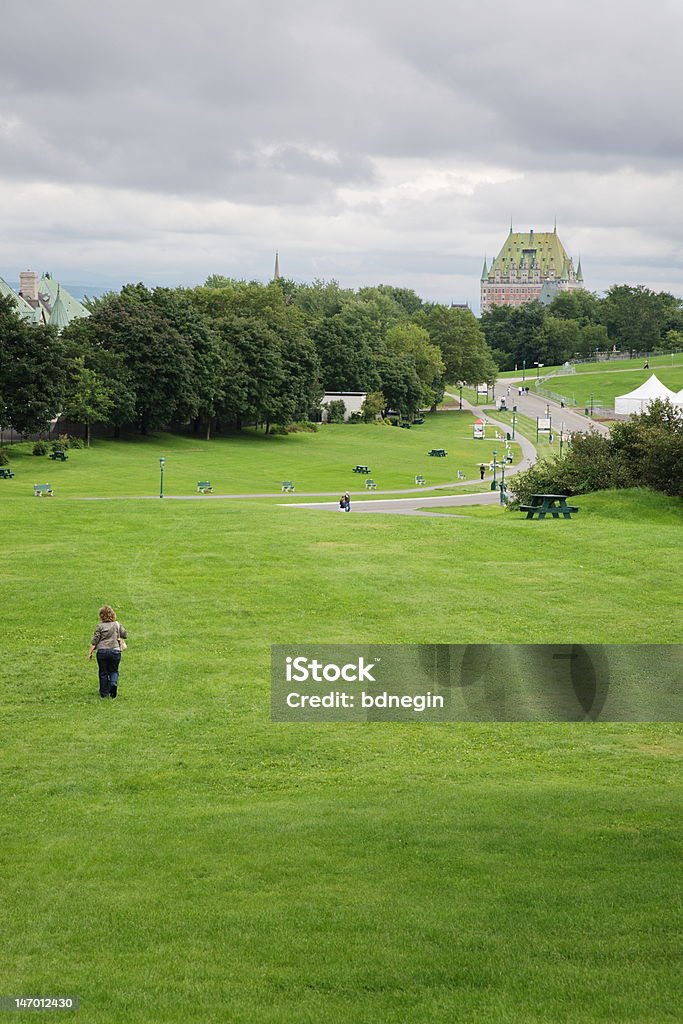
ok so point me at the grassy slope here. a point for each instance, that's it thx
(253, 463)
(605, 386)
(656, 362)
(173, 856)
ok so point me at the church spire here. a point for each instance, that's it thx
(277, 275)
(485, 271)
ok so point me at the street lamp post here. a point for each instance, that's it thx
(494, 485)
(503, 492)
(591, 405)
(460, 387)
(523, 370)
(162, 463)
(514, 420)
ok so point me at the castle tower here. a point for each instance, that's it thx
(527, 261)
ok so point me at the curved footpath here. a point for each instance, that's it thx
(421, 501)
(420, 506)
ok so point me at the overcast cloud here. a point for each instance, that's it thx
(376, 141)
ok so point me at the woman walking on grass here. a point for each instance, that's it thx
(108, 642)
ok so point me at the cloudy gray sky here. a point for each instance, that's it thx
(368, 141)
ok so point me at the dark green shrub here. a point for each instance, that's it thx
(40, 448)
(4, 457)
(336, 410)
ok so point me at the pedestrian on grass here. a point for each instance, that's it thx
(347, 502)
(107, 642)
(482, 470)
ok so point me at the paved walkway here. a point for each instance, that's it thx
(535, 405)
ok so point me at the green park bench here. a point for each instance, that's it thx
(5, 474)
(420, 480)
(370, 485)
(439, 453)
(42, 491)
(361, 469)
(543, 505)
(204, 487)
(287, 487)
(58, 456)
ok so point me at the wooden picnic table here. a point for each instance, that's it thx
(440, 453)
(361, 469)
(548, 504)
(5, 474)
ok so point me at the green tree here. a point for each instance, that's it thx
(33, 368)
(87, 399)
(635, 316)
(411, 340)
(461, 341)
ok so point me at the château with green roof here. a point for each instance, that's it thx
(531, 266)
(43, 301)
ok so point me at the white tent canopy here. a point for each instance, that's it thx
(640, 399)
(679, 398)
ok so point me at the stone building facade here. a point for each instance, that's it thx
(530, 266)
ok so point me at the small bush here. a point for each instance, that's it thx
(76, 442)
(40, 448)
(336, 410)
(4, 457)
(305, 427)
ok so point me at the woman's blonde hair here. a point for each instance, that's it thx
(107, 613)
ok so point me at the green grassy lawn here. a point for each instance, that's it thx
(255, 463)
(656, 362)
(173, 856)
(605, 386)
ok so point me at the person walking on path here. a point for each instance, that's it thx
(107, 643)
(482, 470)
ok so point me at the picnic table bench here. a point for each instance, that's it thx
(42, 491)
(5, 474)
(287, 487)
(418, 421)
(361, 469)
(440, 453)
(204, 487)
(370, 485)
(548, 504)
(58, 456)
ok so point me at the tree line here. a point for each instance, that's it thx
(632, 319)
(231, 353)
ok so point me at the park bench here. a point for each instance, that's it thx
(439, 453)
(5, 474)
(420, 480)
(58, 456)
(204, 487)
(287, 487)
(361, 469)
(543, 505)
(370, 485)
(42, 491)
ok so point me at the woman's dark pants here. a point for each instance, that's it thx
(108, 665)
